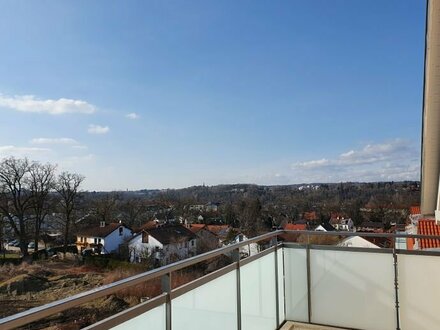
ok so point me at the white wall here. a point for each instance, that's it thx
(138, 249)
(180, 249)
(165, 252)
(112, 241)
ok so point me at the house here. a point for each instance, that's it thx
(221, 231)
(247, 250)
(197, 207)
(310, 216)
(370, 226)
(103, 239)
(357, 241)
(208, 240)
(292, 237)
(342, 224)
(324, 226)
(166, 243)
(147, 226)
(211, 207)
(295, 226)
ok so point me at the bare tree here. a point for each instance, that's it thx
(67, 186)
(42, 182)
(132, 210)
(104, 207)
(16, 197)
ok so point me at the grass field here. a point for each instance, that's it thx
(9, 256)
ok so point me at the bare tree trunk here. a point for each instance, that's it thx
(37, 237)
(66, 234)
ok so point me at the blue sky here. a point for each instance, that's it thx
(158, 94)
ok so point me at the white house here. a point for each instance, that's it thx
(341, 224)
(325, 226)
(247, 250)
(105, 238)
(357, 241)
(166, 243)
(197, 207)
(211, 207)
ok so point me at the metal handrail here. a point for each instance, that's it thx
(46, 310)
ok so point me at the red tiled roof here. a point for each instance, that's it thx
(293, 226)
(219, 230)
(336, 216)
(146, 226)
(414, 210)
(196, 227)
(428, 227)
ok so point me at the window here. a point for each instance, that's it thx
(95, 240)
(192, 243)
(121, 231)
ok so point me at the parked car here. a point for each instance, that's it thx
(31, 245)
(13, 242)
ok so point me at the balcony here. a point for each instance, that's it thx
(286, 286)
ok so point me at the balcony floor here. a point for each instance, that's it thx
(305, 326)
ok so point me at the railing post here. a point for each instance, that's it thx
(277, 296)
(309, 293)
(166, 288)
(236, 258)
(396, 284)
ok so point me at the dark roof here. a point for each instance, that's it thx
(167, 234)
(146, 226)
(98, 231)
(327, 226)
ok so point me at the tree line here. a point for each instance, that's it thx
(29, 192)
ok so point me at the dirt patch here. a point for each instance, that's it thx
(29, 285)
(23, 284)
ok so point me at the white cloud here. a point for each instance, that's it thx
(77, 163)
(313, 163)
(393, 160)
(371, 153)
(80, 147)
(132, 115)
(30, 103)
(53, 141)
(7, 151)
(97, 129)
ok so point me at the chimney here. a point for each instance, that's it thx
(102, 224)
